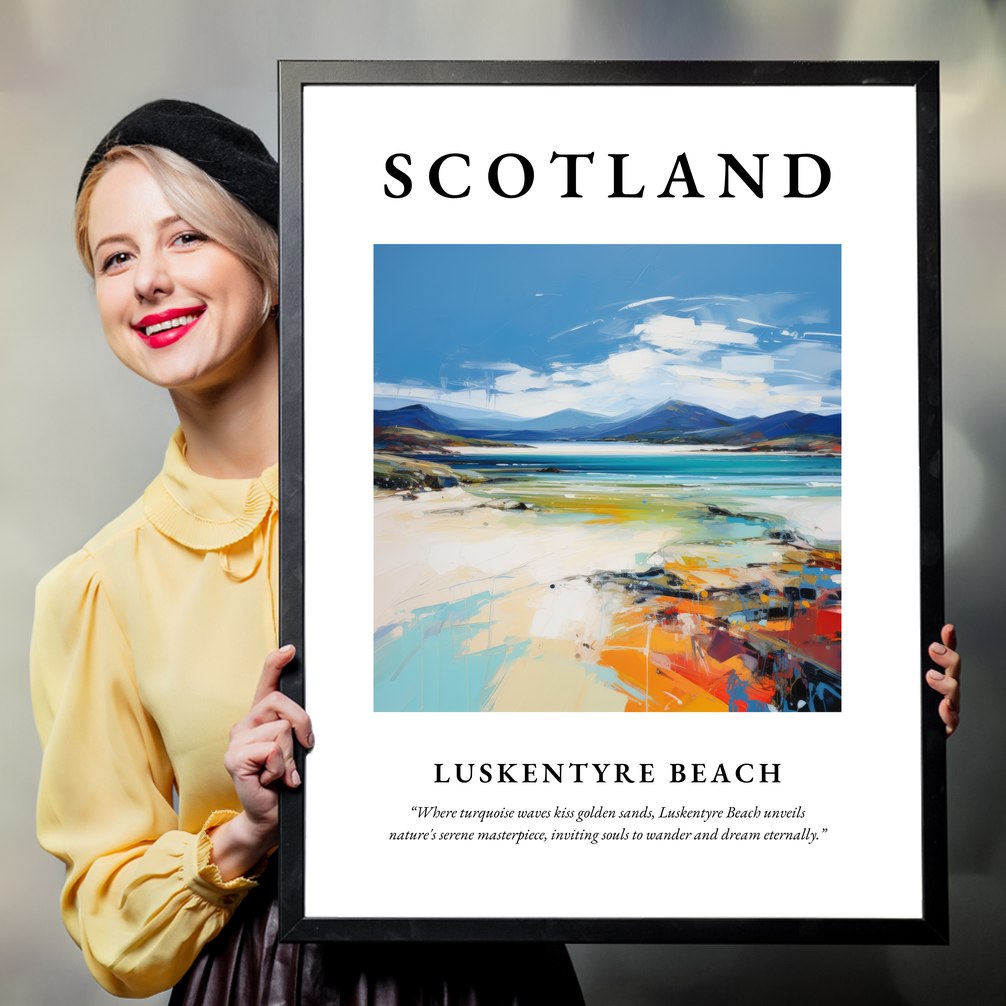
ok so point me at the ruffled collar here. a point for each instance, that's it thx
(203, 513)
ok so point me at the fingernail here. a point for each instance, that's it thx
(310, 740)
(938, 648)
(295, 777)
(287, 649)
(937, 675)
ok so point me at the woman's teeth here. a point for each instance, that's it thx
(174, 323)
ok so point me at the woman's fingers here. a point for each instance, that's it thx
(271, 671)
(261, 749)
(948, 660)
(949, 711)
(949, 636)
(947, 686)
(277, 706)
(274, 766)
(279, 736)
(261, 761)
(947, 680)
(270, 703)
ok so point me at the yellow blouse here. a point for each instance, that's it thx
(147, 647)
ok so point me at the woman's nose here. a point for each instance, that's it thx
(152, 277)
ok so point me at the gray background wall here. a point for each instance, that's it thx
(81, 436)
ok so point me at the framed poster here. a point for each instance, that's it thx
(612, 389)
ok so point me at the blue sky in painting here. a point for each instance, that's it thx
(527, 330)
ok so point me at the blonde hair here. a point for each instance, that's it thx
(199, 200)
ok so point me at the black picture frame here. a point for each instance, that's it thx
(931, 927)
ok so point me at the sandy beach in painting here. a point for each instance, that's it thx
(611, 577)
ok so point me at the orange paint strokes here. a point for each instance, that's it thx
(605, 511)
(628, 631)
(684, 655)
(664, 690)
(630, 665)
(660, 651)
(749, 635)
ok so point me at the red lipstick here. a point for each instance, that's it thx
(166, 328)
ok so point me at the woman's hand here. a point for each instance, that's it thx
(948, 681)
(260, 753)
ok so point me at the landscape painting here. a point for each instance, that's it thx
(607, 478)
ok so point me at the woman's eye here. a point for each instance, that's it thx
(190, 238)
(114, 261)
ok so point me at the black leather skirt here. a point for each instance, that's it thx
(246, 965)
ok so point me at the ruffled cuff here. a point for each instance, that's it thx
(203, 878)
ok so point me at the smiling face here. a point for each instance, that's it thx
(177, 307)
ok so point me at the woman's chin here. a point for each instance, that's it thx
(196, 365)
(175, 374)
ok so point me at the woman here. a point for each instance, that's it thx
(148, 643)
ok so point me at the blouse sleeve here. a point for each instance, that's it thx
(141, 898)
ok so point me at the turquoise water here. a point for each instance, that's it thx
(424, 662)
(748, 474)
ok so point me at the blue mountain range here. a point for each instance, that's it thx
(673, 421)
(416, 417)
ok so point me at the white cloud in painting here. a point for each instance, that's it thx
(714, 375)
(660, 358)
(522, 380)
(575, 328)
(503, 366)
(649, 300)
(808, 359)
(754, 364)
(685, 335)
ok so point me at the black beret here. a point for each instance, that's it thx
(230, 154)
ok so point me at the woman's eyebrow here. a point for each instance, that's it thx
(109, 240)
(160, 225)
